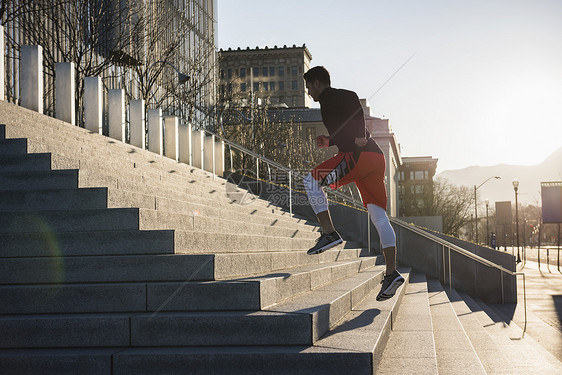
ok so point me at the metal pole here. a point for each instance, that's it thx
(539, 247)
(368, 232)
(558, 262)
(487, 227)
(450, 274)
(476, 214)
(503, 294)
(290, 194)
(444, 267)
(517, 225)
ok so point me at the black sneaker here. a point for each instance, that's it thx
(390, 284)
(324, 242)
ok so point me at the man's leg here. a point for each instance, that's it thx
(392, 279)
(317, 198)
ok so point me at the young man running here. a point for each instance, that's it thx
(359, 160)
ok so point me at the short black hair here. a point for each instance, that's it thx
(318, 73)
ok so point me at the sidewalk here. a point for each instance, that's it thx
(544, 306)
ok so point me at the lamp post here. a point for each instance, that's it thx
(476, 203)
(516, 188)
(487, 227)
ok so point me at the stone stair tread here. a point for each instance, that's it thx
(506, 348)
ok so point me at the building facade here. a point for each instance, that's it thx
(415, 187)
(135, 45)
(271, 76)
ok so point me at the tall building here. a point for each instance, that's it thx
(135, 45)
(415, 188)
(271, 75)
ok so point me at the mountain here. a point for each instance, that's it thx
(529, 178)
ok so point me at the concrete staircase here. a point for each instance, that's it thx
(114, 260)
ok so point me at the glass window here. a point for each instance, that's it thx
(419, 175)
(272, 86)
(265, 86)
(242, 72)
(272, 71)
(265, 71)
(243, 86)
(411, 175)
(294, 85)
(419, 189)
(256, 86)
(426, 175)
(294, 70)
(256, 72)
(229, 73)
(281, 71)
(281, 86)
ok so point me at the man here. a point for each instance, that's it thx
(359, 160)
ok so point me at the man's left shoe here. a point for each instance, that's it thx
(325, 242)
(390, 284)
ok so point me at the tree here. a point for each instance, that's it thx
(451, 202)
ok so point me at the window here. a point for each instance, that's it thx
(272, 86)
(256, 86)
(265, 71)
(256, 72)
(426, 175)
(242, 72)
(294, 70)
(265, 86)
(281, 86)
(243, 86)
(419, 175)
(411, 175)
(222, 74)
(419, 189)
(229, 73)
(281, 71)
(272, 71)
(294, 85)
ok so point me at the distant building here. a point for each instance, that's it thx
(273, 75)
(415, 186)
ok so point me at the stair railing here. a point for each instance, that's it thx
(354, 203)
(459, 250)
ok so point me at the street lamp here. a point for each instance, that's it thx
(487, 201)
(182, 78)
(476, 203)
(516, 188)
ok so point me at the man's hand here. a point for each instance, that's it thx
(322, 141)
(361, 142)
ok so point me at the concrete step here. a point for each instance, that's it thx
(26, 162)
(134, 219)
(13, 146)
(49, 199)
(501, 348)
(353, 346)
(410, 348)
(241, 294)
(39, 180)
(310, 317)
(49, 242)
(454, 351)
(161, 267)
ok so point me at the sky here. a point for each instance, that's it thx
(482, 86)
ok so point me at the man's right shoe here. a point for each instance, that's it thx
(325, 242)
(390, 284)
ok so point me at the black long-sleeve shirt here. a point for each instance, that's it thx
(342, 115)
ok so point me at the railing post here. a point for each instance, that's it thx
(369, 234)
(257, 169)
(155, 132)
(2, 64)
(116, 114)
(93, 104)
(31, 78)
(171, 137)
(64, 92)
(503, 294)
(290, 193)
(137, 130)
(444, 267)
(450, 274)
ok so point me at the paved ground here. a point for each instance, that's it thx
(544, 304)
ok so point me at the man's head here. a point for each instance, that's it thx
(317, 79)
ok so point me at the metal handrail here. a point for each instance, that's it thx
(401, 223)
